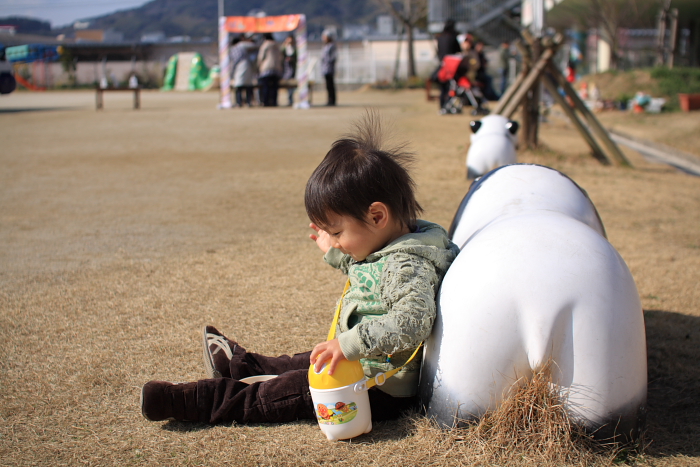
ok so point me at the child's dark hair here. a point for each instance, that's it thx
(356, 172)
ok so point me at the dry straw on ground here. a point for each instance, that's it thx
(531, 427)
(123, 232)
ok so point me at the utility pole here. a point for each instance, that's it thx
(221, 10)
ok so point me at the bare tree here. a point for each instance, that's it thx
(409, 13)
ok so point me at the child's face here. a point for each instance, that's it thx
(354, 237)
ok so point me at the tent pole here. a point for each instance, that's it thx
(224, 72)
(302, 65)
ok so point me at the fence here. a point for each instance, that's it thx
(370, 62)
(359, 62)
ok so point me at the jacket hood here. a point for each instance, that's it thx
(429, 241)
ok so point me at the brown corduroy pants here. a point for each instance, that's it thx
(282, 399)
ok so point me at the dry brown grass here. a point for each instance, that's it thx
(614, 85)
(531, 427)
(123, 232)
(533, 424)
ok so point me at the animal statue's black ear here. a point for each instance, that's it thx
(475, 125)
(512, 126)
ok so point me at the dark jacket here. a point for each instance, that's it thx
(447, 44)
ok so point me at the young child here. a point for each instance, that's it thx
(361, 203)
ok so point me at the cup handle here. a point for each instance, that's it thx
(360, 386)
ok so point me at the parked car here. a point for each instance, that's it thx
(7, 75)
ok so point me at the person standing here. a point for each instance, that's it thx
(289, 60)
(504, 65)
(447, 44)
(329, 54)
(482, 75)
(243, 68)
(270, 67)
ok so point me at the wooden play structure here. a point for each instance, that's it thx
(538, 68)
(32, 60)
(253, 24)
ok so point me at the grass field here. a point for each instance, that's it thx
(123, 232)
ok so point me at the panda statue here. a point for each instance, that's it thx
(536, 282)
(493, 143)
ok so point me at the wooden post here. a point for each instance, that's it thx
(673, 33)
(524, 120)
(597, 128)
(528, 84)
(595, 148)
(531, 104)
(524, 116)
(530, 79)
(508, 95)
(661, 33)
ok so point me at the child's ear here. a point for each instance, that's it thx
(379, 214)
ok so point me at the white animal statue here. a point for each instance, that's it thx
(492, 144)
(536, 281)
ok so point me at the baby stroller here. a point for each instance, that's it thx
(461, 90)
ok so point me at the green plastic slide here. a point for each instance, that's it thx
(170, 74)
(201, 78)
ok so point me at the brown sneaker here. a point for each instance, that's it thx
(162, 400)
(218, 351)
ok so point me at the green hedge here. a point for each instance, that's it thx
(674, 81)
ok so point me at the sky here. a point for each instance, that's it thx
(64, 12)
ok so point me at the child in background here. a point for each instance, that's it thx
(361, 202)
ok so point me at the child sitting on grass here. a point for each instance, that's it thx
(361, 203)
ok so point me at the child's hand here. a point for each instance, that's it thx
(321, 237)
(329, 350)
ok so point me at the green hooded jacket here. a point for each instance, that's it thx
(390, 306)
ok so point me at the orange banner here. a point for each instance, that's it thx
(239, 24)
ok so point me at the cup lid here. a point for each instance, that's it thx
(346, 373)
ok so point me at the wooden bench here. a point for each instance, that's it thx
(99, 100)
(287, 84)
(292, 84)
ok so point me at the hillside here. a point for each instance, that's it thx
(28, 25)
(197, 18)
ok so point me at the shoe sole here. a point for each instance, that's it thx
(212, 373)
